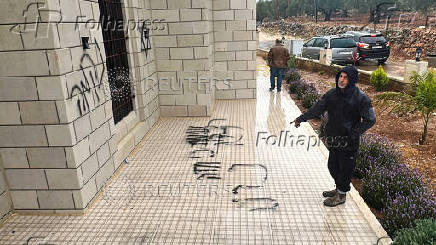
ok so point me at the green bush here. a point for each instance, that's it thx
(379, 79)
(292, 62)
(424, 233)
(292, 75)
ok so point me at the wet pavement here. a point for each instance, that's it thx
(196, 180)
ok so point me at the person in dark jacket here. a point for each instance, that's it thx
(278, 57)
(350, 114)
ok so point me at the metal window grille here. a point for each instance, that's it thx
(112, 24)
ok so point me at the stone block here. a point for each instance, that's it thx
(197, 111)
(69, 35)
(180, 28)
(9, 113)
(70, 11)
(59, 61)
(222, 56)
(223, 36)
(225, 94)
(9, 40)
(104, 174)
(167, 100)
(201, 4)
(162, 53)
(190, 41)
(24, 63)
(5, 205)
(251, 25)
(42, 36)
(251, 4)
(194, 65)
(220, 4)
(245, 94)
(220, 46)
(252, 45)
(244, 55)
(14, 157)
(237, 46)
(24, 199)
(244, 75)
(77, 154)
(103, 154)
(64, 178)
(99, 137)
(98, 117)
(236, 25)
(38, 112)
(82, 127)
(89, 167)
(166, 15)
(413, 66)
(238, 85)
(185, 99)
(61, 135)
(18, 89)
(83, 197)
(224, 15)
(86, 10)
(169, 65)
(251, 84)
(67, 110)
(201, 52)
(238, 4)
(22, 136)
(174, 111)
(52, 88)
(242, 35)
(3, 185)
(181, 53)
(237, 65)
(219, 25)
(26, 179)
(179, 4)
(51, 157)
(190, 14)
(158, 4)
(13, 11)
(200, 27)
(164, 41)
(55, 199)
(220, 66)
(244, 14)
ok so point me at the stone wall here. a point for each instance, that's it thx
(5, 200)
(56, 154)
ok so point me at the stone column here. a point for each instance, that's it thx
(411, 66)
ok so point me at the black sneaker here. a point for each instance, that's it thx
(331, 193)
(271, 89)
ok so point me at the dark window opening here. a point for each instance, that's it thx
(112, 22)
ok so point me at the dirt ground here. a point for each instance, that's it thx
(403, 131)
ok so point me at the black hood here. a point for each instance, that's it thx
(353, 76)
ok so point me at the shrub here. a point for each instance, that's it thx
(402, 211)
(379, 79)
(424, 233)
(292, 62)
(292, 75)
(375, 150)
(296, 85)
(384, 182)
(301, 89)
(310, 97)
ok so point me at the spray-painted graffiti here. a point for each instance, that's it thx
(91, 84)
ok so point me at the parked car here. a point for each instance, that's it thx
(344, 49)
(371, 45)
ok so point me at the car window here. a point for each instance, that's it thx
(319, 43)
(342, 43)
(310, 43)
(369, 39)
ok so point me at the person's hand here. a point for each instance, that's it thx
(297, 123)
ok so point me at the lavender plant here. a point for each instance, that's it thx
(292, 75)
(375, 151)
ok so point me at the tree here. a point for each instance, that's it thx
(328, 7)
(422, 100)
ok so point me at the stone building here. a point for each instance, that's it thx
(82, 82)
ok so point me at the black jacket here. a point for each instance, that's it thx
(350, 113)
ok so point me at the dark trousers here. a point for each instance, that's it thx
(341, 165)
(279, 73)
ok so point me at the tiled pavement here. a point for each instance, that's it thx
(157, 199)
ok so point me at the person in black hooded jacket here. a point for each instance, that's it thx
(350, 114)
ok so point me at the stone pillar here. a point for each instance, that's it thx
(411, 66)
(325, 56)
(235, 47)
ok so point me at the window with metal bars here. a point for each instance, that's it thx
(112, 25)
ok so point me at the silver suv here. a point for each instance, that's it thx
(344, 49)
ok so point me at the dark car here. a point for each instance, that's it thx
(371, 45)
